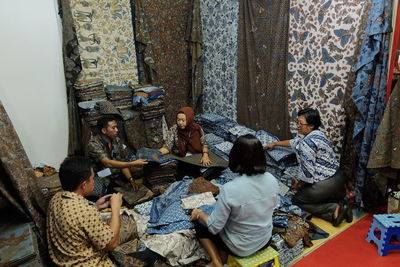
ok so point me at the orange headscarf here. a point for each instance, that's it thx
(189, 138)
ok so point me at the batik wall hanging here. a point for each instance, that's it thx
(322, 42)
(162, 28)
(262, 66)
(219, 23)
(105, 40)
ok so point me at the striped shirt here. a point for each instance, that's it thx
(315, 155)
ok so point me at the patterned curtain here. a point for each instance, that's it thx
(161, 27)
(17, 183)
(322, 42)
(105, 39)
(369, 94)
(195, 39)
(220, 23)
(262, 66)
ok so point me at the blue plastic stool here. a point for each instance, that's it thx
(389, 226)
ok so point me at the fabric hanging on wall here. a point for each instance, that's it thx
(322, 41)
(369, 94)
(72, 68)
(16, 172)
(195, 39)
(106, 42)
(386, 149)
(163, 29)
(262, 66)
(219, 23)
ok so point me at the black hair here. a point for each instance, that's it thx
(104, 120)
(312, 117)
(73, 171)
(247, 156)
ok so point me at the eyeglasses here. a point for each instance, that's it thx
(299, 123)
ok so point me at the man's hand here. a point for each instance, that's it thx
(103, 202)
(269, 146)
(195, 215)
(205, 160)
(134, 185)
(116, 201)
(139, 162)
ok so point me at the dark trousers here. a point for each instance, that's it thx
(322, 198)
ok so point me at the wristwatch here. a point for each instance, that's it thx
(131, 179)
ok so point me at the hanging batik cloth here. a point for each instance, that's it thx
(369, 93)
(262, 66)
(162, 29)
(220, 23)
(322, 42)
(105, 39)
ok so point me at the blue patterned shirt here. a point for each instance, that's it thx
(315, 155)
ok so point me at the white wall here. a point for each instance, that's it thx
(32, 85)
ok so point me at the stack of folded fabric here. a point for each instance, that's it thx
(145, 93)
(88, 111)
(222, 149)
(120, 96)
(286, 254)
(239, 130)
(213, 139)
(153, 109)
(216, 124)
(89, 89)
(156, 175)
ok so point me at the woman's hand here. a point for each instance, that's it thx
(296, 184)
(270, 146)
(205, 160)
(195, 215)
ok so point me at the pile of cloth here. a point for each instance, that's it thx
(153, 109)
(120, 96)
(159, 175)
(145, 93)
(89, 89)
(88, 111)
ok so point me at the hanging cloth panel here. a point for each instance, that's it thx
(220, 21)
(369, 94)
(16, 171)
(163, 27)
(386, 149)
(262, 66)
(106, 42)
(322, 42)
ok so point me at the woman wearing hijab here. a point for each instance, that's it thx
(186, 136)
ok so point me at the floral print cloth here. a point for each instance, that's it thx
(219, 25)
(322, 42)
(105, 39)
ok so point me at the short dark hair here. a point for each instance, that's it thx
(247, 156)
(73, 171)
(104, 120)
(312, 117)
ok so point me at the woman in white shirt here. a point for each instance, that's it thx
(241, 222)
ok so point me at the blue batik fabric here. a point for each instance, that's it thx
(285, 205)
(369, 93)
(167, 215)
(316, 157)
(219, 21)
(279, 153)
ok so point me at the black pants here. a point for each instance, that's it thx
(322, 198)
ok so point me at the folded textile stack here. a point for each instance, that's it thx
(88, 111)
(286, 254)
(120, 96)
(213, 139)
(216, 124)
(89, 89)
(239, 130)
(284, 155)
(222, 149)
(159, 175)
(145, 93)
(153, 109)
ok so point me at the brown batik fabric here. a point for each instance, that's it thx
(17, 172)
(386, 149)
(162, 28)
(195, 40)
(262, 65)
